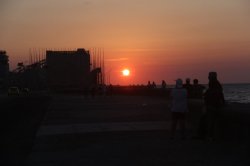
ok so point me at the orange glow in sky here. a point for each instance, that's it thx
(156, 39)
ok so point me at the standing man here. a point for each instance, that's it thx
(197, 90)
(188, 86)
(214, 101)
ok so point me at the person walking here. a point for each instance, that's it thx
(179, 108)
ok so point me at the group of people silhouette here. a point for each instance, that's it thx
(153, 85)
(213, 101)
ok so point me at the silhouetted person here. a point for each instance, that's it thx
(104, 90)
(197, 90)
(100, 90)
(188, 86)
(214, 101)
(197, 93)
(110, 89)
(163, 84)
(149, 85)
(153, 85)
(179, 108)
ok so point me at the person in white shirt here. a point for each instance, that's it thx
(179, 108)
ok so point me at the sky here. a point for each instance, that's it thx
(156, 39)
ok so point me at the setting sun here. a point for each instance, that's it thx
(125, 72)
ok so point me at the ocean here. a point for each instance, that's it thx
(239, 93)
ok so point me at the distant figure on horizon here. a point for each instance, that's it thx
(110, 90)
(179, 108)
(188, 86)
(149, 85)
(104, 90)
(163, 84)
(214, 101)
(153, 85)
(197, 90)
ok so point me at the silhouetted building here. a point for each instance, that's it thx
(4, 68)
(69, 70)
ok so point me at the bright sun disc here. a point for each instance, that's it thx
(125, 72)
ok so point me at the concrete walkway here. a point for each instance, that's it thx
(101, 127)
(123, 131)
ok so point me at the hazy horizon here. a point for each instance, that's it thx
(155, 39)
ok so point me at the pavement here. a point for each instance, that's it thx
(124, 130)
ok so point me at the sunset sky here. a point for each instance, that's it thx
(155, 39)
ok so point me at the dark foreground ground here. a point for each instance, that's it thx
(115, 130)
(20, 119)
